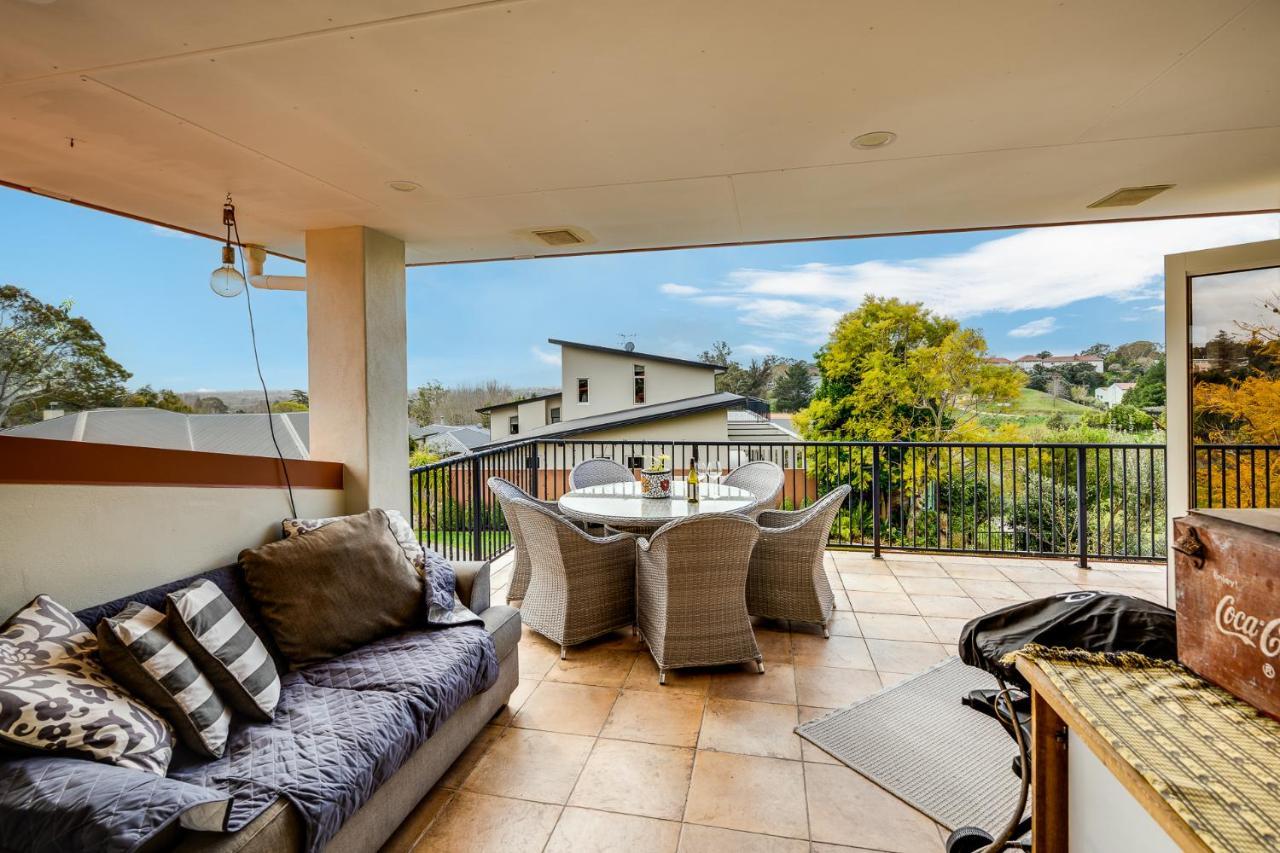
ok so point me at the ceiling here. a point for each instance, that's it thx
(642, 125)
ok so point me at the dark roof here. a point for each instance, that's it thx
(628, 417)
(242, 435)
(458, 439)
(492, 406)
(637, 354)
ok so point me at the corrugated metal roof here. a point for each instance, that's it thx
(750, 427)
(243, 435)
(637, 415)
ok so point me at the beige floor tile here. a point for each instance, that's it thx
(415, 825)
(844, 652)
(930, 586)
(750, 728)
(945, 605)
(776, 684)
(711, 839)
(900, 656)
(748, 793)
(825, 687)
(1041, 590)
(575, 709)
(774, 643)
(531, 765)
(946, 628)
(840, 848)
(808, 751)
(466, 762)
(846, 808)
(841, 599)
(974, 571)
(992, 589)
(624, 641)
(893, 626)
(909, 557)
(601, 667)
(536, 659)
(863, 567)
(635, 778)
(893, 679)
(481, 823)
(655, 717)
(881, 602)
(919, 569)
(644, 676)
(1034, 574)
(870, 583)
(590, 831)
(518, 697)
(844, 624)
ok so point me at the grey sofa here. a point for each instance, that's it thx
(280, 827)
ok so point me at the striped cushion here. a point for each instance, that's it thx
(207, 624)
(143, 657)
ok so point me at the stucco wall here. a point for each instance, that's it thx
(88, 544)
(611, 381)
(499, 419)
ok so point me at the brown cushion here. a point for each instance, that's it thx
(335, 589)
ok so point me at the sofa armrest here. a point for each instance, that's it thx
(473, 584)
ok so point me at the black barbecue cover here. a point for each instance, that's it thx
(1089, 620)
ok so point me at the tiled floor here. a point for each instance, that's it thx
(593, 755)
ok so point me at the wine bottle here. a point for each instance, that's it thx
(691, 481)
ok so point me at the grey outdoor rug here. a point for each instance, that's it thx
(917, 741)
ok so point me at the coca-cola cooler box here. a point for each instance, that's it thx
(1227, 581)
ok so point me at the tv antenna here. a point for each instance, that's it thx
(628, 341)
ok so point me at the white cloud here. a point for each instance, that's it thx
(1035, 328)
(169, 232)
(545, 356)
(753, 350)
(1035, 269)
(672, 289)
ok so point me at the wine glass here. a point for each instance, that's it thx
(713, 471)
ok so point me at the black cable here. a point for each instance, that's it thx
(257, 362)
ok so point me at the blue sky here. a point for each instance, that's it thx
(146, 291)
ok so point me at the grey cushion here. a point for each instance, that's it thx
(504, 624)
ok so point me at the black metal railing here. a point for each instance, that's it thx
(1084, 501)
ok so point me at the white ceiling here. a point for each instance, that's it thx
(645, 125)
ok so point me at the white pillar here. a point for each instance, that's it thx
(357, 362)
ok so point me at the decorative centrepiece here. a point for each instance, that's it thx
(655, 478)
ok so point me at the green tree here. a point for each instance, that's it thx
(424, 404)
(48, 355)
(750, 380)
(793, 390)
(165, 398)
(1149, 390)
(894, 370)
(300, 397)
(286, 406)
(210, 406)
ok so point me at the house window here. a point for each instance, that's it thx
(582, 391)
(555, 414)
(638, 381)
(513, 425)
(635, 462)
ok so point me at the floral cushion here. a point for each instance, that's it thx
(55, 697)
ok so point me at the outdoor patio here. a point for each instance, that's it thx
(593, 754)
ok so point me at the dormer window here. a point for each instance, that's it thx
(637, 381)
(583, 391)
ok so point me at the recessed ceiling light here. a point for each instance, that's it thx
(874, 139)
(404, 186)
(559, 236)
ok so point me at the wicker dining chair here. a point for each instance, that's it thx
(580, 586)
(598, 472)
(787, 579)
(506, 491)
(691, 578)
(763, 480)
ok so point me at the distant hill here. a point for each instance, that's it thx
(249, 400)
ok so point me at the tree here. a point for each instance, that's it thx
(793, 390)
(1149, 391)
(751, 380)
(210, 406)
(895, 371)
(48, 355)
(300, 397)
(165, 398)
(425, 402)
(286, 406)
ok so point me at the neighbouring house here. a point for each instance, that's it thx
(1030, 362)
(1113, 394)
(448, 439)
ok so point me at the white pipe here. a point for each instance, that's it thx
(279, 282)
(255, 256)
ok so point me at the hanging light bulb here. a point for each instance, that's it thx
(226, 280)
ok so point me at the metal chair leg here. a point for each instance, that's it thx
(760, 665)
(662, 676)
(562, 652)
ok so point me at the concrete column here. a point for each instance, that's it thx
(357, 362)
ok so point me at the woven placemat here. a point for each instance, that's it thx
(918, 742)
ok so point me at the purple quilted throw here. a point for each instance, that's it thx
(444, 608)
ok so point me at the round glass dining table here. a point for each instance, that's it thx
(622, 504)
